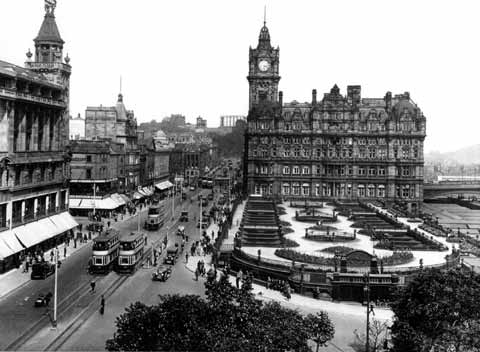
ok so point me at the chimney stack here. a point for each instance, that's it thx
(280, 98)
(314, 96)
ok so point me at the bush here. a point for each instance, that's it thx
(289, 243)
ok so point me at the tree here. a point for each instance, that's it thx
(437, 308)
(378, 335)
(229, 319)
(319, 328)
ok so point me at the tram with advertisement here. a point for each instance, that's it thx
(104, 252)
(132, 247)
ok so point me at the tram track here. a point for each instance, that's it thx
(68, 304)
(83, 316)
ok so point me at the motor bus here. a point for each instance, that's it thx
(132, 247)
(104, 252)
(156, 213)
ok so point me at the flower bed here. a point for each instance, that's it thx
(330, 238)
(397, 258)
(285, 224)
(286, 230)
(341, 250)
(289, 243)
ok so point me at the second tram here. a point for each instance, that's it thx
(132, 248)
(104, 252)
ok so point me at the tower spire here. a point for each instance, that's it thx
(264, 15)
(120, 84)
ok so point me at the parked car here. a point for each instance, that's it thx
(42, 270)
(162, 273)
(192, 188)
(184, 216)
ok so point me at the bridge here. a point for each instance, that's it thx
(451, 189)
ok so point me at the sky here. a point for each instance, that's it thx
(191, 57)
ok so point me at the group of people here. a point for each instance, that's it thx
(280, 285)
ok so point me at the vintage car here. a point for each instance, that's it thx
(172, 255)
(43, 300)
(42, 270)
(162, 273)
(184, 216)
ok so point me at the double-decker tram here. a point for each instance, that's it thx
(131, 252)
(105, 252)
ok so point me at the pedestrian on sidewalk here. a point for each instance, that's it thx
(197, 272)
(92, 286)
(186, 258)
(108, 223)
(239, 278)
(65, 251)
(102, 305)
(51, 255)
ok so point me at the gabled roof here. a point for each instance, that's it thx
(49, 31)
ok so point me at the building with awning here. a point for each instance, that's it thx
(162, 186)
(90, 203)
(32, 234)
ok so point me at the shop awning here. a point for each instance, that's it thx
(147, 191)
(89, 203)
(64, 222)
(5, 251)
(125, 198)
(9, 238)
(137, 195)
(164, 185)
(119, 200)
(43, 229)
(142, 192)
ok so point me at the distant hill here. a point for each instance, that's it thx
(465, 156)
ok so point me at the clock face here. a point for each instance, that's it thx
(263, 65)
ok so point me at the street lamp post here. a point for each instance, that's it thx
(54, 323)
(366, 290)
(173, 200)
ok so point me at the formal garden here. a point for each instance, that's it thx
(310, 233)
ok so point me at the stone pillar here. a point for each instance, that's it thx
(10, 115)
(46, 121)
(34, 135)
(9, 212)
(23, 209)
(35, 206)
(22, 116)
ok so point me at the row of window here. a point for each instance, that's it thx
(334, 170)
(336, 190)
(362, 153)
(333, 141)
(346, 126)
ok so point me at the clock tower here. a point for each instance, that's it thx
(263, 75)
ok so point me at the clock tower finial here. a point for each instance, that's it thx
(263, 75)
(264, 15)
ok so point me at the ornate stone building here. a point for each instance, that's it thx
(34, 158)
(337, 147)
(119, 125)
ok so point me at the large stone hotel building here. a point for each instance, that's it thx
(34, 160)
(341, 147)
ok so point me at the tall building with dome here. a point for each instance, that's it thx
(34, 154)
(339, 146)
